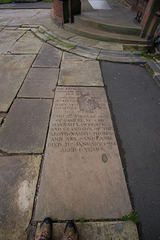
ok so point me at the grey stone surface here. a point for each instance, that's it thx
(40, 83)
(25, 127)
(27, 45)
(139, 60)
(13, 71)
(82, 168)
(42, 36)
(8, 38)
(28, 34)
(61, 45)
(48, 57)
(9, 33)
(70, 57)
(115, 58)
(88, 52)
(157, 79)
(153, 66)
(18, 179)
(80, 73)
(62, 33)
(85, 41)
(110, 46)
(99, 230)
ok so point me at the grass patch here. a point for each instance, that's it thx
(148, 56)
(157, 57)
(82, 220)
(5, 1)
(64, 43)
(41, 31)
(47, 1)
(149, 69)
(135, 48)
(102, 220)
(133, 217)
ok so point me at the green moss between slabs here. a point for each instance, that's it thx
(47, 0)
(5, 1)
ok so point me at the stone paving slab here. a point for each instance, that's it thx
(104, 56)
(70, 57)
(99, 230)
(110, 46)
(61, 45)
(40, 83)
(9, 33)
(85, 41)
(8, 38)
(18, 179)
(25, 127)
(13, 72)
(28, 34)
(27, 45)
(157, 79)
(82, 167)
(62, 33)
(80, 73)
(85, 51)
(48, 57)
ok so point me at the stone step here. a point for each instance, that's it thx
(99, 230)
(104, 26)
(102, 35)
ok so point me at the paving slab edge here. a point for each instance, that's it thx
(95, 53)
(99, 230)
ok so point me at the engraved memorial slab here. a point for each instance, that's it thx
(82, 173)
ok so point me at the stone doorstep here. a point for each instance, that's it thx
(91, 52)
(116, 230)
(87, 51)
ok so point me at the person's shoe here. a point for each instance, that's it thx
(70, 232)
(44, 232)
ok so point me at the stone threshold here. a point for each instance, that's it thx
(117, 230)
(97, 53)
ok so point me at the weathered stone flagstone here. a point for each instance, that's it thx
(18, 179)
(110, 46)
(48, 57)
(8, 38)
(40, 83)
(86, 51)
(80, 73)
(27, 45)
(25, 127)
(70, 57)
(82, 173)
(99, 230)
(85, 41)
(16, 34)
(13, 71)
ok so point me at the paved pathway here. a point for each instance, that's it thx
(56, 138)
(76, 168)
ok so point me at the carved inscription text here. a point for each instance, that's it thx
(80, 122)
